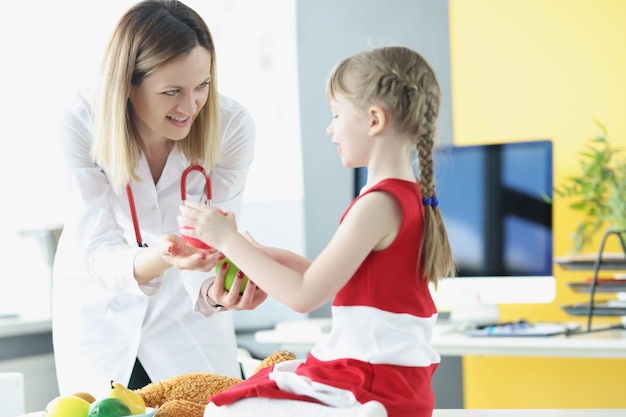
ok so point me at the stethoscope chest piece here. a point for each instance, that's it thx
(183, 195)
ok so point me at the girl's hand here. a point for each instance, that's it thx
(251, 298)
(176, 253)
(208, 224)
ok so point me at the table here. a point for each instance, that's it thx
(502, 413)
(553, 412)
(448, 341)
(21, 326)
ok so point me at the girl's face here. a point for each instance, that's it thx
(349, 131)
(168, 100)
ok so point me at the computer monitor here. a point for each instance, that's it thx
(495, 201)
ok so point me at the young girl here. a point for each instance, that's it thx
(391, 242)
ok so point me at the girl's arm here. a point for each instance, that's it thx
(286, 257)
(305, 290)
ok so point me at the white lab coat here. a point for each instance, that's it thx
(102, 319)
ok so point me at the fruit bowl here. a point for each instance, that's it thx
(121, 402)
(149, 413)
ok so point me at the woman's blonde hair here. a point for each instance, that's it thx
(401, 81)
(149, 35)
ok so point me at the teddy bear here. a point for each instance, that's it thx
(187, 395)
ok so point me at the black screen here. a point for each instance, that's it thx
(493, 201)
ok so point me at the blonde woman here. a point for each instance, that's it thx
(390, 244)
(132, 302)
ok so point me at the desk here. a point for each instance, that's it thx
(603, 344)
(448, 342)
(500, 413)
(449, 382)
(21, 326)
(552, 412)
(24, 336)
(26, 347)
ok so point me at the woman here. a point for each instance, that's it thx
(129, 296)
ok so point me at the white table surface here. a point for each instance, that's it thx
(601, 344)
(449, 342)
(502, 413)
(532, 413)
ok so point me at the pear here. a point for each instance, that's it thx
(129, 397)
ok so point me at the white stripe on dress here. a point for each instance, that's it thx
(376, 336)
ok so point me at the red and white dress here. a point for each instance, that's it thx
(379, 346)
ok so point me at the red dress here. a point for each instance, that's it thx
(379, 346)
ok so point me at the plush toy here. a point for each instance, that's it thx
(187, 395)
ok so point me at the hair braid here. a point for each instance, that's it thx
(402, 81)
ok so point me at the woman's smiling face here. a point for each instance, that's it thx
(168, 100)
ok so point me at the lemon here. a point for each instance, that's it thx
(67, 406)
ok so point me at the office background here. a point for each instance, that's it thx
(510, 70)
(519, 70)
(540, 69)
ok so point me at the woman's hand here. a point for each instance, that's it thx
(182, 256)
(212, 226)
(251, 298)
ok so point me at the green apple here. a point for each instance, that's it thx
(108, 407)
(231, 273)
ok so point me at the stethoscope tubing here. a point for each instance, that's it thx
(183, 197)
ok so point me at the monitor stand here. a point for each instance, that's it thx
(476, 300)
(463, 303)
(479, 314)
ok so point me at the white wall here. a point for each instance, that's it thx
(50, 54)
(256, 47)
(327, 31)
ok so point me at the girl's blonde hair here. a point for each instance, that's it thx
(400, 80)
(150, 34)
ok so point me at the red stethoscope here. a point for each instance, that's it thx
(183, 196)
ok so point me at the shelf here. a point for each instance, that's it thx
(602, 286)
(599, 309)
(596, 262)
(586, 262)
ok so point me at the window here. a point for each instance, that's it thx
(51, 49)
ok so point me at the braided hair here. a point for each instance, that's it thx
(400, 80)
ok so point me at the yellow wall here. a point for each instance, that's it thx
(536, 69)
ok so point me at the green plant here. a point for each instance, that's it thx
(599, 191)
